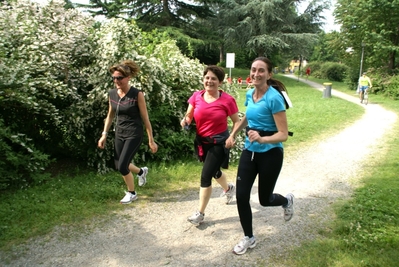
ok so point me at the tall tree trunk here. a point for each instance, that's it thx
(391, 60)
(221, 53)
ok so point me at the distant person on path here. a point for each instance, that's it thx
(210, 108)
(266, 128)
(239, 80)
(248, 82)
(128, 105)
(364, 85)
(307, 73)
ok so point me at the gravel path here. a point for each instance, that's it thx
(157, 234)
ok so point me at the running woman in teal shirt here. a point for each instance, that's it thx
(266, 127)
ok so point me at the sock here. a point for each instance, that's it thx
(228, 189)
(141, 171)
(132, 192)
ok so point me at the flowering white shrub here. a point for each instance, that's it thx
(41, 52)
(54, 68)
(55, 81)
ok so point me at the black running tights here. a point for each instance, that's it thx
(267, 165)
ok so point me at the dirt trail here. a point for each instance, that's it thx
(158, 234)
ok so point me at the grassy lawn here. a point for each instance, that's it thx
(365, 232)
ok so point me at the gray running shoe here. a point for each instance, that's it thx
(197, 218)
(229, 193)
(143, 177)
(128, 198)
(244, 244)
(289, 208)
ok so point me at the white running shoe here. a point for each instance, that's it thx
(143, 177)
(197, 218)
(128, 198)
(229, 193)
(244, 244)
(289, 208)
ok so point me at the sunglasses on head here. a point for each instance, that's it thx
(118, 78)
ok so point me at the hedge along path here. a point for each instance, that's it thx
(157, 233)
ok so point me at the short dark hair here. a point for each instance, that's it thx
(218, 71)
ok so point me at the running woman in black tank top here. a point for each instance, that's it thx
(127, 104)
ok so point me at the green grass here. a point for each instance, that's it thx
(79, 198)
(73, 200)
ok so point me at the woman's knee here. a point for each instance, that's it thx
(124, 173)
(206, 182)
(124, 170)
(218, 174)
(242, 197)
(264, 203)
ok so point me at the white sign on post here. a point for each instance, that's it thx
(230, 58)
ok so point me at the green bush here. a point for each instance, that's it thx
(352, 78)
(21, 163)
(392, 88)
(334, 71)
(314, 66)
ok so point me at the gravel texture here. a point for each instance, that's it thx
(157, 234)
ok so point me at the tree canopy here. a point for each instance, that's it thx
(267, 27)
(373, 23)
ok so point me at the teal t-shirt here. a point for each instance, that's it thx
(260, 116)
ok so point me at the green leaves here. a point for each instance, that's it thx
(54, 63)
(376, 24)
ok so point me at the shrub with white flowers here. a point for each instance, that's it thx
(55, 81)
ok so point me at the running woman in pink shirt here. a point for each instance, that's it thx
(210, 108)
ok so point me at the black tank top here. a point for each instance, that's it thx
(129, 124)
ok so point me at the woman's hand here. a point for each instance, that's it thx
(101, 142)
(230, 142)
(153, 147)
(254, 136)
(183, 123)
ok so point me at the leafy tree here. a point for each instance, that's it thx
(108, 9)
(328, 48)
(272, 26)
(174, 13)
(374, 23)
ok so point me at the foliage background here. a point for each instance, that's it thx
(53, 95)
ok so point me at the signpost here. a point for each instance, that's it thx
(230, 58)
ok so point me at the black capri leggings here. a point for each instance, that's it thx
(268, 166)
(124, 151)
(214, 157)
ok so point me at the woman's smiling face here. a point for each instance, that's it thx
(211, 81)
(259, 72)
